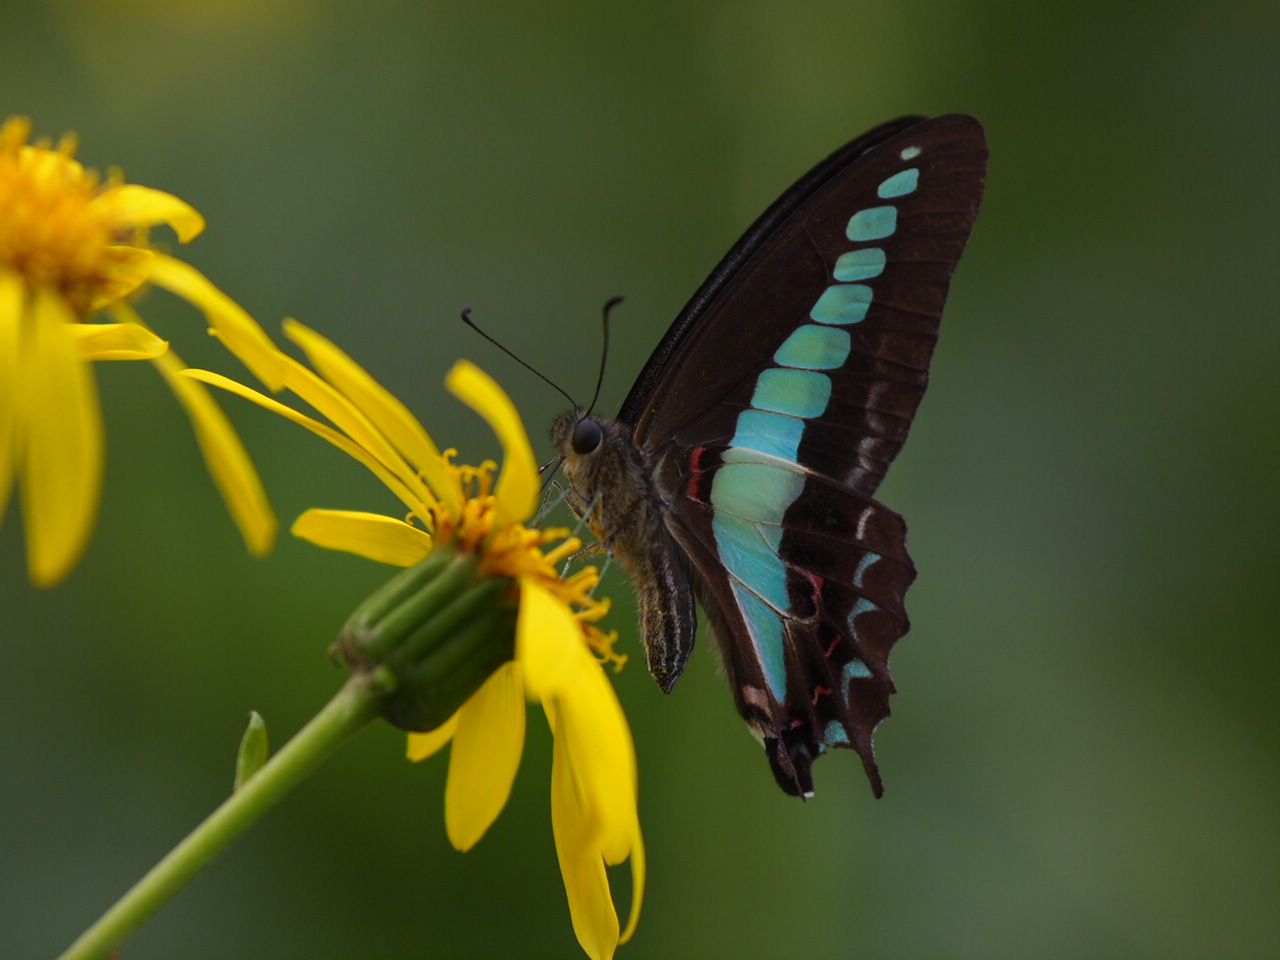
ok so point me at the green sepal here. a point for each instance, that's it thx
(432, 690)
(433, 633)
(254, 749)
(400, 604)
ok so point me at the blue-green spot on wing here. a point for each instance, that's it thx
(864, 263)
(775, 404)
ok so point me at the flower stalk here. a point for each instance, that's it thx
(351, 709)
(418, 648)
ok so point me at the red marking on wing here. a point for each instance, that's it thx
(819, 692)
(816, 582)
(695, 470)
(832, 649)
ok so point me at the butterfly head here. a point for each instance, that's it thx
(578, 437)
(593, 450)
(576, 434)
(606, 473)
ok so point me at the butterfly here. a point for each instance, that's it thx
(742, 466)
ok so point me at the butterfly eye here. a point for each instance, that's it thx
(587, 436)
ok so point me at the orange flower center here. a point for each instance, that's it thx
(517, 552)
(53, 234)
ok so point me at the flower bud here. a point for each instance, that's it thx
(435, 632)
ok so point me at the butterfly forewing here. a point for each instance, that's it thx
(772, 410)
(764, 294)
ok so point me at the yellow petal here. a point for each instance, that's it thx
(563, 674)
(228, 461)
(383, 409)
(547, 639)
(238, 331)
(486, 754)
(12, 303)
(344, 414)
(129, 268)
(62, 443)
(591, 722)
(131, 205)
(586, 883)
(117, 341)
(370, 535)
(517, 490)
(347, 446)
(637, 884)
(423, 745)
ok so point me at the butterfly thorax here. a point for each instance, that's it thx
(612, 490)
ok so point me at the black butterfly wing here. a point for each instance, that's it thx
(775, 404)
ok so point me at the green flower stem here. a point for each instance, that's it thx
(417, 648)
(358, 702)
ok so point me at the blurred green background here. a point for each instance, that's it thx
(1082, 759)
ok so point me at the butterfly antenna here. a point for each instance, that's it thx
(604, 352)
(466, 318)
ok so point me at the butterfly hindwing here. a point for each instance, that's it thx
(812, 607)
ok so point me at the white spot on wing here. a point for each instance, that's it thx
(863, 519)
(757, 698)
(875, 394)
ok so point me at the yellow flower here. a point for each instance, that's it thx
(559, 652)
(71, 246)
